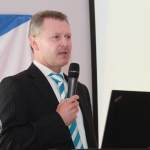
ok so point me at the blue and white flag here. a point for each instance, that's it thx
(15, 52)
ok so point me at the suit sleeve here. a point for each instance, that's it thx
(18, 133)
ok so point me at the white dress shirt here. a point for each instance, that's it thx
(46, 71)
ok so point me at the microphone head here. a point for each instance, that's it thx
(73, 70)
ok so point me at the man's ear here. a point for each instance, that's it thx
(33, 43)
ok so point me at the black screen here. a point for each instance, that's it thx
(128, 120)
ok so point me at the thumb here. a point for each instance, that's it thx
(62, 101)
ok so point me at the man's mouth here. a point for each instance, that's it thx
(63, 53)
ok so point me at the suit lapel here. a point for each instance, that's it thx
(40, 81)
(81, 104)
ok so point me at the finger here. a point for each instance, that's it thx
(75, 104)
(73, 98)
(72, 103)
(62, 102)
(75, 110)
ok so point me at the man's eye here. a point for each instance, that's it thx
(56, 37)
(68, 37)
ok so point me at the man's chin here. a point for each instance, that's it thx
(63, 63)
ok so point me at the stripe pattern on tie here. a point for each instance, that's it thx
(58, 78)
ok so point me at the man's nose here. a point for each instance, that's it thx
(64, 42)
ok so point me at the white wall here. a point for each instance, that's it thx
(123, 49)
(78, 15)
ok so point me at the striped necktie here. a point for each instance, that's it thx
(58, 78)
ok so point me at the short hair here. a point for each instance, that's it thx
(35, 26)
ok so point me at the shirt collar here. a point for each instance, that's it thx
(45, 70)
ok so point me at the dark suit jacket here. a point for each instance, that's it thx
(28, 114)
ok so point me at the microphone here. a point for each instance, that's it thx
(73, 75)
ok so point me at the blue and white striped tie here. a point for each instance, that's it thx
(58, 78)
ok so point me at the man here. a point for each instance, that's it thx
(32, 113)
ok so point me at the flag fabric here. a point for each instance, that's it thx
(15, 51)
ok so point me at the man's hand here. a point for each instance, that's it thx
(68, 109)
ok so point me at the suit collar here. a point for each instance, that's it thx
(66, 77)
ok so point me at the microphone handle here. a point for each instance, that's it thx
(72, 84)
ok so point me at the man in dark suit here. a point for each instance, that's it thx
(32, 113)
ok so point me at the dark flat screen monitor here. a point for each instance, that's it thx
(128, 120)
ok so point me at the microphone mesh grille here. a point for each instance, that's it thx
(73, 70)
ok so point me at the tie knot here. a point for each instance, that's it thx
(57, 77)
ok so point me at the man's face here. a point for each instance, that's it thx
(53, 44)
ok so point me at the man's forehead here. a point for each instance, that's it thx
(56, 25)
(54, 20)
